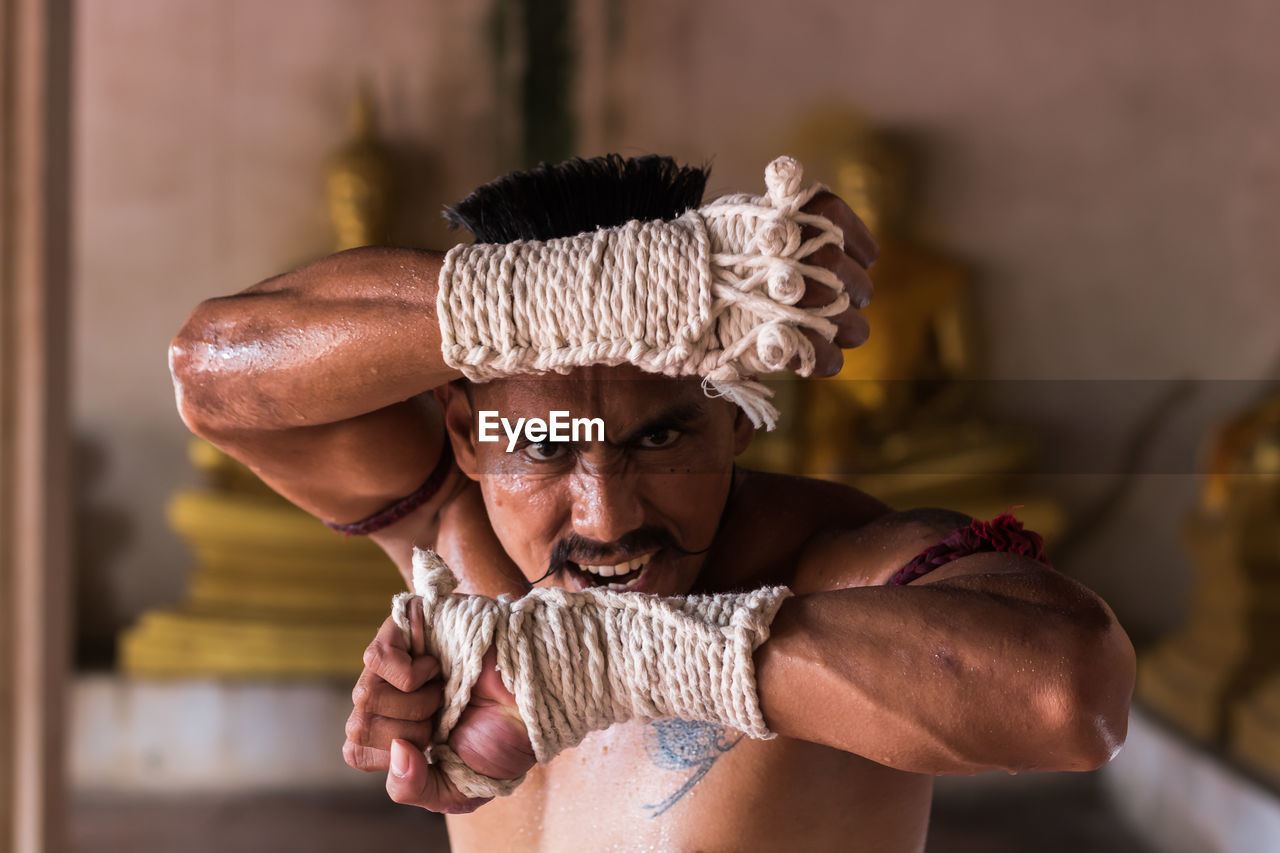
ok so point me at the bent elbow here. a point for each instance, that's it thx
(191, 380)
(179, 372)
(1095, 738)
(1097, 699)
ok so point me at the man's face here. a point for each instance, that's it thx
(627, 511)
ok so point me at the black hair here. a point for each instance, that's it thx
(564, 199)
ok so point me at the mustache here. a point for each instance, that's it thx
(642, 540)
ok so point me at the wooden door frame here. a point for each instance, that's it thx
(35, 618)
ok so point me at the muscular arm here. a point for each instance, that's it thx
(315, 379)
(990, 662)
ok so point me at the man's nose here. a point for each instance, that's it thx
(605, 505)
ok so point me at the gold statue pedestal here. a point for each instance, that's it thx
(274, 592)
(1230, 643)
(1216, 679)
(1256, 731)
(1255, 735)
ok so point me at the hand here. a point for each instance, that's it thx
(391, 723)
(860, 252)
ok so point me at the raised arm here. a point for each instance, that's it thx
(315, 379)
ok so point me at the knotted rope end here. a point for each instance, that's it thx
(751, 397)
(782, 177)
(432, 581)
(431, 577)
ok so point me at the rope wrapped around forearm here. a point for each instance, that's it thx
(582, 661)
(711, 294)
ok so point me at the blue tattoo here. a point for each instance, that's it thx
(684, 745)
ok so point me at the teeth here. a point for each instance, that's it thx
(624, 586)
(629, 565)
(620, 568)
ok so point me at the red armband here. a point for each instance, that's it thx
(407, 504)
(1003, 534)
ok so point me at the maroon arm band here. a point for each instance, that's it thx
(407, 504)
(1004, 534)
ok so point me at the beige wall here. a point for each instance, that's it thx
(202, 129)
(1112, 170)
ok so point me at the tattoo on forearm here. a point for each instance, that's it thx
(685, 745)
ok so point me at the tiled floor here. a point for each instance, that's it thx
(1067, 818)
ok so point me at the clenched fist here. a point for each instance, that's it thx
(850, 266)
(391, 723)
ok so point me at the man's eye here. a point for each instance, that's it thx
(545, 451)
(659, 438)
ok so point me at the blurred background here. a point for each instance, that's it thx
(1077, 313)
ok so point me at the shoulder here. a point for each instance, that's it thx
(926, 545)
(801, 503)
(873, 553)
(458, 529)
(773, 518)
(816, 535)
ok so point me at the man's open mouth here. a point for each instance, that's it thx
(618, 576)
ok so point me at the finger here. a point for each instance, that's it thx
(372, 695)
(378, 732)
(817, 294)
(417, 628)
(854, 278)
(365, 758)
(389, 659)
(852, 329)
(412, 781)
(827, 357)
(856, 282)
(858, 242)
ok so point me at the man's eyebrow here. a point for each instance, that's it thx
(677, 416)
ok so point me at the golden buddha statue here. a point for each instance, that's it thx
(900, 419)
(1244, 454)
(359, 182)
(1217, 678)
(274, 592)
(922, 341)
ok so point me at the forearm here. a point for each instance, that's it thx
(574, 663)
(347, 335)
(978, 672)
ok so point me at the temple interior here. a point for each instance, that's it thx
(1071, 318)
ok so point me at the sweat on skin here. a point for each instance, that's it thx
(558, 426)
(849, 678)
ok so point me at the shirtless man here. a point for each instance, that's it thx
(882, 671)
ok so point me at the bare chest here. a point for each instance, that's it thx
(680, 785)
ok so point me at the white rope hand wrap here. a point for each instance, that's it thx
(581, 661)
(710, 294)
